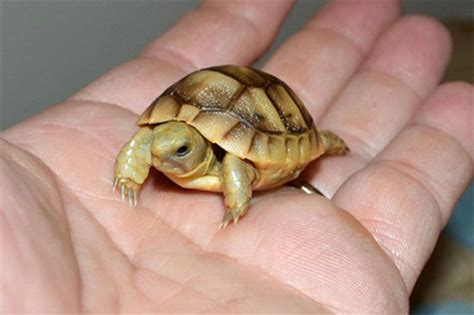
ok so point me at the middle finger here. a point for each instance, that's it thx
(318, 60)
(404, 67)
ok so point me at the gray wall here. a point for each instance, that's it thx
(50, 49)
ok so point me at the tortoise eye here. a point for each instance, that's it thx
(182, 150)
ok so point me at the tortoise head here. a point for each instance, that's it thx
(178, 149)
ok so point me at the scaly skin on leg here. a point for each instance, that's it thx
(133, 165)
(237, 177)
(333, 144)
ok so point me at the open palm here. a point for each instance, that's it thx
(69, 244)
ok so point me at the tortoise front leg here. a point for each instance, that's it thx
(133, 165)
(237, 177)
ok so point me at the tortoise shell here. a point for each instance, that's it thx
(246, 112)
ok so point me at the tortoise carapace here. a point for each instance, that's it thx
(263, 129)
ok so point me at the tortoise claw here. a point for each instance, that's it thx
(132, 197)
(122, 191)
(233, 216)
(225, 221)
(224, 224)
(114, 186)
(128, 190)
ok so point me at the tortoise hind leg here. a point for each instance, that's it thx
(237, 177)
(332, 143)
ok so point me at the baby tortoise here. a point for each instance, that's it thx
(229, 129)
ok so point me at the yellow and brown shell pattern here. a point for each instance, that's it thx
(248, 113)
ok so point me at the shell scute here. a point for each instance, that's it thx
(277, 148)
(165, 108)
(238, 140)
(288, 110)
(188, 113)
(292, 150)
(207, 89)
(258, 110)
(304, 145)
(214, 124)
(259, 149)
(304, 112)
(246, 76)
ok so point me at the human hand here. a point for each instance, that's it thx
(69, 244)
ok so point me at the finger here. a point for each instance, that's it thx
(217, 32)
(236, 31)
(405, 66)
(405, 196)
(320, 58)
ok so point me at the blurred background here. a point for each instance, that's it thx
(51, 49)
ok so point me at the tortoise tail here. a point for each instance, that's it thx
(332, 143)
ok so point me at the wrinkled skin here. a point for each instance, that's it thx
(68, 243)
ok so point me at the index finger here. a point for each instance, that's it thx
(217, 32)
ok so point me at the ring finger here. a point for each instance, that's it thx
(404, 67)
